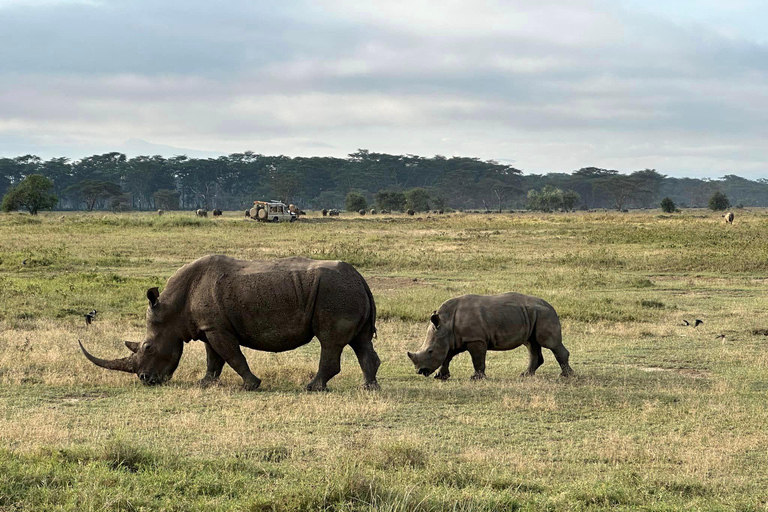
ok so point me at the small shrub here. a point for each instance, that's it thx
(668, 205)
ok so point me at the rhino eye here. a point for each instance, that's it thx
(429, 351)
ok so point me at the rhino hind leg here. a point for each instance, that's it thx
(215, 365)
(368, 359)
(228, 348)
(562, 355)
(535, 358)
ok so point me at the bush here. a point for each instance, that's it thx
(668, 205)
(418, 200)
(355, 202)
(719, 202)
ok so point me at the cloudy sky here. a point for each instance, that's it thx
(546, 85)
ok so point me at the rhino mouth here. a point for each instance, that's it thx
(150, 380)
(425, 372)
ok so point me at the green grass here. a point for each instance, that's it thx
(658, 417)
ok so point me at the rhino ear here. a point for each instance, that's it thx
(435, 319)
(132, 345)
(153, 294)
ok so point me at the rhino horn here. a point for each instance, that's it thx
(411, 357)
(133, 346)
(126, 364)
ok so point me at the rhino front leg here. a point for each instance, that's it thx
(330, 365)
(444, 373)
(477, 350)
(215, 365)
(228, 348)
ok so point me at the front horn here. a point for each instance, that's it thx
(124, 365)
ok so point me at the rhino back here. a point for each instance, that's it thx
(273, 305)
(503, 321)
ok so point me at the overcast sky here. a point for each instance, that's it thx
(546, 85)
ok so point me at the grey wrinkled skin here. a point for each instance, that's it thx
(273, 306)
(479, 323)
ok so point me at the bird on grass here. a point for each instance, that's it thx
(698, 322)
(720, 337)
(686, 323)
(89, 317)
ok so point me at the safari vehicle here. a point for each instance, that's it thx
(272, 211)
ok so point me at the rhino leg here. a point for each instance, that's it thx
(368, 359)
(330, 365)
(215, 365)
(477, 350)
(535, 359)
(228, 348)
(444, 373)
(562, 355)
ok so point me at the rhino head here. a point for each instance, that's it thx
(157, 357)
(435, 348)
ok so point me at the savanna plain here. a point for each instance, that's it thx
(658, 416)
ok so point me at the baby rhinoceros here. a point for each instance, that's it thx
(479, 323)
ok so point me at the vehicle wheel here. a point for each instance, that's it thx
(293, 219)
(275, 220)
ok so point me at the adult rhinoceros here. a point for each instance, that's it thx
(273, 306)
(478, 323)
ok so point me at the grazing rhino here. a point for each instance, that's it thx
(273, 306)
(728, 217)
(217, 212)
(478, 323)
(160, 212)
(201, 213)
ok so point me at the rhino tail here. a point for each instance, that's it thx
(372, 317)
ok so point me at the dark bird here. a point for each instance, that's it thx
(721, 337)
(24, 262)
(698, 322)
(89, 317)
(686, 323)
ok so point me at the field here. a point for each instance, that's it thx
(659, 416)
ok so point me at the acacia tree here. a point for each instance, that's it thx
(33, 193)
(93, 192)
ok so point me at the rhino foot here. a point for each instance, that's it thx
(316, 386)
(567, 372)
(372, 386)
(207, 382)
(478, 376)
(251, 384)
(527, 373)
(442, 376)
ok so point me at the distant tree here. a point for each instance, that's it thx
(93, 192)
(121, 203)
(548, 199)
(33, 193)
(571, 199)
(167, 199)
(719, 201)
(355, 201)
(668, 205)
(390, 200)
(417, 199)
(619, 187)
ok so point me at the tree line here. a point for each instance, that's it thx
(113, 181)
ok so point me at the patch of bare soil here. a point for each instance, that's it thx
(694, 373)
(381, 284)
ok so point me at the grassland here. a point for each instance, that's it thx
(658, 417)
